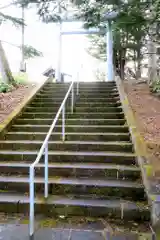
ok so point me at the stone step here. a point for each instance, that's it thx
(97, 109)
(81, 90)
(57, 84)
(70, 206)
(90, 170)
(71, 128)
(53, 92)
(98, 83)
(75, 136)
(68, 145)
(84, 86)
(98, 104)
(54, 87)
(51, 95)
(46, 104)
(99, 94)
(48, 121)
(91, 187)
(84, 115)
(91, 94)
(41, 109)
(76, 109)
(79, 99)
(78, 104)
(96, 88)
(38, 115)
(71, 156)
(55, 98)
(58, 88)
(98, 99)
(50, 99)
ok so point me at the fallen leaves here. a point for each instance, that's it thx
(9, 101)
(146, 108)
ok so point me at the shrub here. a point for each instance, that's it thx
(21, 78)
(155, 85)
(4, 87)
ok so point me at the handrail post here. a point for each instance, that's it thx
(63, 123)
(31, 192)
(46, 171)
(77, 87)
(77, 83)
(72, 99)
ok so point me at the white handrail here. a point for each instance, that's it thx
(44, 150)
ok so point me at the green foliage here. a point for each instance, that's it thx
(131, 27)
(155, 85)
(97, 47)
(4, 87)
(17, 22)
(21, 79)
(47, 10)
(100, 75)
(25, 3)
(31, 52)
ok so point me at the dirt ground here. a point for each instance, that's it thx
(146, 108)
(9, 101)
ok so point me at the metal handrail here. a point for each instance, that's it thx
(44, 150)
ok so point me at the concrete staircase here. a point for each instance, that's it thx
(93, 173)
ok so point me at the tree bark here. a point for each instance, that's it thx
(116, 61)
(138, 72)
(135, 65)
(122, 54)
(152, 63)
(4, 67)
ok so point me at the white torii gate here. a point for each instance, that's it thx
(109, 48)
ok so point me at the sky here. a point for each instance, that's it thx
(44, 38)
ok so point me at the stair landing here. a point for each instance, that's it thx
(72, 229)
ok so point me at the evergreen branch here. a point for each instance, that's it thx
(15, 21)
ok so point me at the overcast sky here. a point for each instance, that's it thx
(44, 38)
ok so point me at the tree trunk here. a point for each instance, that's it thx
(152, 61)
(4, 67)
(138, 72)
(135, 66)
(122, 54)
(152, 50)
(116, 61)
(3, 74)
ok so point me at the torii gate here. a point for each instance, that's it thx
(109, 46)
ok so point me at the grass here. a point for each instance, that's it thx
(155, 85)
(4, 87)
(20, 79)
